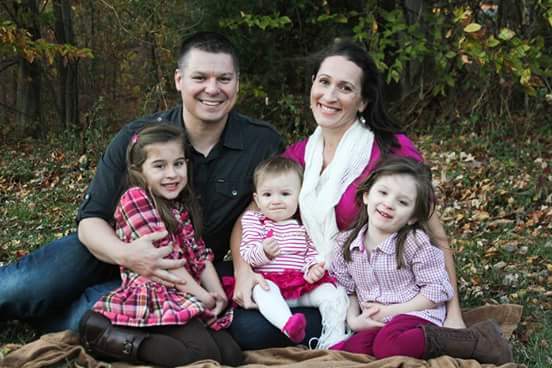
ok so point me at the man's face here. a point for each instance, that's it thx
(208, 84)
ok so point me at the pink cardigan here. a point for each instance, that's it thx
(346, 210)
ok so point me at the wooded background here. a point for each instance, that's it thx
(82, 65)
(470, 82)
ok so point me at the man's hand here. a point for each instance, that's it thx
(271, 247)
(246, 279)
(143, 258)
(315, 273)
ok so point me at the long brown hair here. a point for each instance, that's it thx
(423, 208)
(375, 116)
(136, 156)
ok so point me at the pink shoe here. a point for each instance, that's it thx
(295, 327)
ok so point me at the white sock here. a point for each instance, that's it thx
(272, 304)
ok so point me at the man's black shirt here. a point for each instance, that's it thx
(222, 180)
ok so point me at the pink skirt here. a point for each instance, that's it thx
(291, 283)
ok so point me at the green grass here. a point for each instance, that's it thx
(495, 199)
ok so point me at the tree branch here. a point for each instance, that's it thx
(6, 64)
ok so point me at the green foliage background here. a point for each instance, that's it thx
(447, 63)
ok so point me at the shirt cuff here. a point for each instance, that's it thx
(438, 293)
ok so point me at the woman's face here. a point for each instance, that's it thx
(336, 93)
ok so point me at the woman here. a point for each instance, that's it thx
(353, 132)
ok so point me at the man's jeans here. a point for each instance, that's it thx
(55, 285)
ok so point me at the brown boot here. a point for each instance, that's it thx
(482, 342)
(104, 340)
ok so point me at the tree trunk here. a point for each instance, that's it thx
(414, 69)
(29, 116)
(67, 69)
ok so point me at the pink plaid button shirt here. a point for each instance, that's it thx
(374, 276)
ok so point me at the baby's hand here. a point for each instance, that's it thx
(315, 273)
(271, 248)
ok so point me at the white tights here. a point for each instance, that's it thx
(331, 301)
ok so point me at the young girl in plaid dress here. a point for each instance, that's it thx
(143, 320)
(396, 278)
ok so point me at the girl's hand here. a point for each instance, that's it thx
(207, 299)
(378, 311)
(220, 303)
(364, 320)
(315, 273)
(271, 248)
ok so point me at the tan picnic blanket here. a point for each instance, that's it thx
(60, 347)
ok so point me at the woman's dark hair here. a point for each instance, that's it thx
(377, 119)
(137, 153)
(423, 208)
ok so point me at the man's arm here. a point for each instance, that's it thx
(454, 313)
(140, 255)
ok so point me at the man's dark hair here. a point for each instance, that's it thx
(209, 42)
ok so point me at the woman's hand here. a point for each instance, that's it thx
(246, 279)
(315, 273)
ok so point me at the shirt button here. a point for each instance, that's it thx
(234, 192)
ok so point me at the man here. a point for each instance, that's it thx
(64, 279)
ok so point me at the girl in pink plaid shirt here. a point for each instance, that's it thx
(396, 278)
(143, 320)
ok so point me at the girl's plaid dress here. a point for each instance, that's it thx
(140, 301)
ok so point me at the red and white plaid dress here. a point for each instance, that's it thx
(140, 301)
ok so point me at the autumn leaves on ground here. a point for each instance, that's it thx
(495, 200)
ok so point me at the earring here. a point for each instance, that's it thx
(361, 118)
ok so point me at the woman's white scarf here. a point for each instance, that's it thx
(320, 193)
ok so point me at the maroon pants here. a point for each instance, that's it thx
(400, 336)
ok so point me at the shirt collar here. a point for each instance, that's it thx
(358, 242)
(386, 246)
(233, 133)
